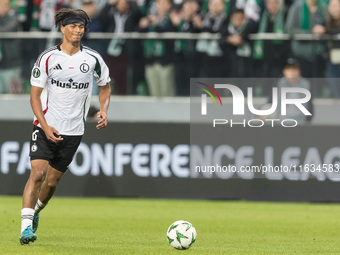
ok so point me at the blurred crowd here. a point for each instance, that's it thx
(159, 67)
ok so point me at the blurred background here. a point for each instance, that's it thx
(153, 48)
(247, 39)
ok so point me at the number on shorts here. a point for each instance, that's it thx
(34, 135)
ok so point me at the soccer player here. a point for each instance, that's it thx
(61, 80)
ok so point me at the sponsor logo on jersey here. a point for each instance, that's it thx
(84, 68)
(36, 72)
(58, 67)
(70, 84)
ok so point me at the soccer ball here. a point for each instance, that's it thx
(181, 235)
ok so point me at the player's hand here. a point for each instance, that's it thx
(52, 134)
(103, 120)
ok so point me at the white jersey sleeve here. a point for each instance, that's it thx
(39, 73)
(101, 71)
(38, 77)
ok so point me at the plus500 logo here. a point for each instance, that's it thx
(70, 84)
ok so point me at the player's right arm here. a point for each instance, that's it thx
(38, 112)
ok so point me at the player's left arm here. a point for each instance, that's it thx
(104, 101)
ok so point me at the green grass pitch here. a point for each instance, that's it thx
(138, 226)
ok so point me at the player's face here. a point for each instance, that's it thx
(73, 32)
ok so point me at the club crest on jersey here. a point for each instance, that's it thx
(84, 68)
(34, 148)
(36, 72)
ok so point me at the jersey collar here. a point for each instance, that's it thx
(81, 47)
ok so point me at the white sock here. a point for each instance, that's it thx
(39, 206)
(26, 218)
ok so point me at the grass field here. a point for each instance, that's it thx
(138, 226)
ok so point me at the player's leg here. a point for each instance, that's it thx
(31, 192)
(47, 190)
(49, 186)
(56, 169)
(30, 196)
(41, 153)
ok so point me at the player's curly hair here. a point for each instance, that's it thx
(70, 13)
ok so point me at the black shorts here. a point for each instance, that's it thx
(59, 154)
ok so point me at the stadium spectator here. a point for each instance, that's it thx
(28, 14)
(10, 59)
(47, 10)
(159, 69)
(292, 78)
(252, 9)
(333, 60)
(236, 45)
(74, 4)
(270, 55)
(36, 15)
(308, 17)
(122, 55)
(90, 7)
(228, 6)
(213, 62)
(147, 7)
(288, 3)
(77, 4)
(186, 65)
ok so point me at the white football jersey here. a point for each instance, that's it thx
(67, 82)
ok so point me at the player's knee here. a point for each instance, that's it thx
(52, 183)
(37, 175)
